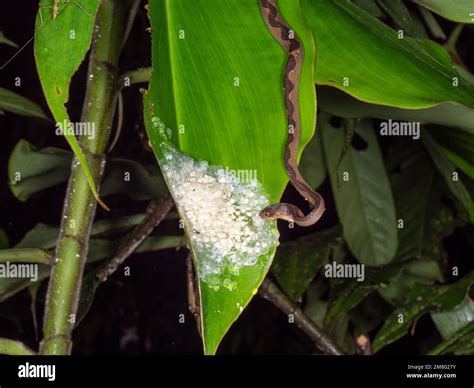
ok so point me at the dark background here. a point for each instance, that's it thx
(139, 314)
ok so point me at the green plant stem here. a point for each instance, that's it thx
(137, 76)
(268, 290)
(25, 255)
(80, 205)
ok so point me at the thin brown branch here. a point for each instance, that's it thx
(155, 213)
(273, 294)
(194, 303)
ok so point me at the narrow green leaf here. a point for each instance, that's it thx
(341, 104)
(40, 236)
(423, 299)
(223, 110)
(15, 348)
(11, 286)
(345, 296)
(25, 255)
(398, 11)
(459, 10)
(5, 40)
(364, 199)
(455, 342)
(374, 65)
(418, 191)
(449, 174)
(457, 145)
(71, 31)
(20, 105)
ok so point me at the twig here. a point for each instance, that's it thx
(138, 76)
(193, 292)
(273, 294)
(155, 213)
(131, 19)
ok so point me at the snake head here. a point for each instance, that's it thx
(269, 212)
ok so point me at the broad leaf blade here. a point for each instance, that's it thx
(362, 193)
(224, 109)
(360, 55)
(20, 105)
(61, 44)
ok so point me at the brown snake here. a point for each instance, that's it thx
(286, 211)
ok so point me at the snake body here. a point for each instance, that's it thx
(288, 40)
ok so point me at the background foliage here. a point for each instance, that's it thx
(364, 74)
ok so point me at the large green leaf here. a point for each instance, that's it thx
(423, 299)
(363, 194)
(457, 10)
(61, 44)
(20, 105)
(217, 84)
(360, 55)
